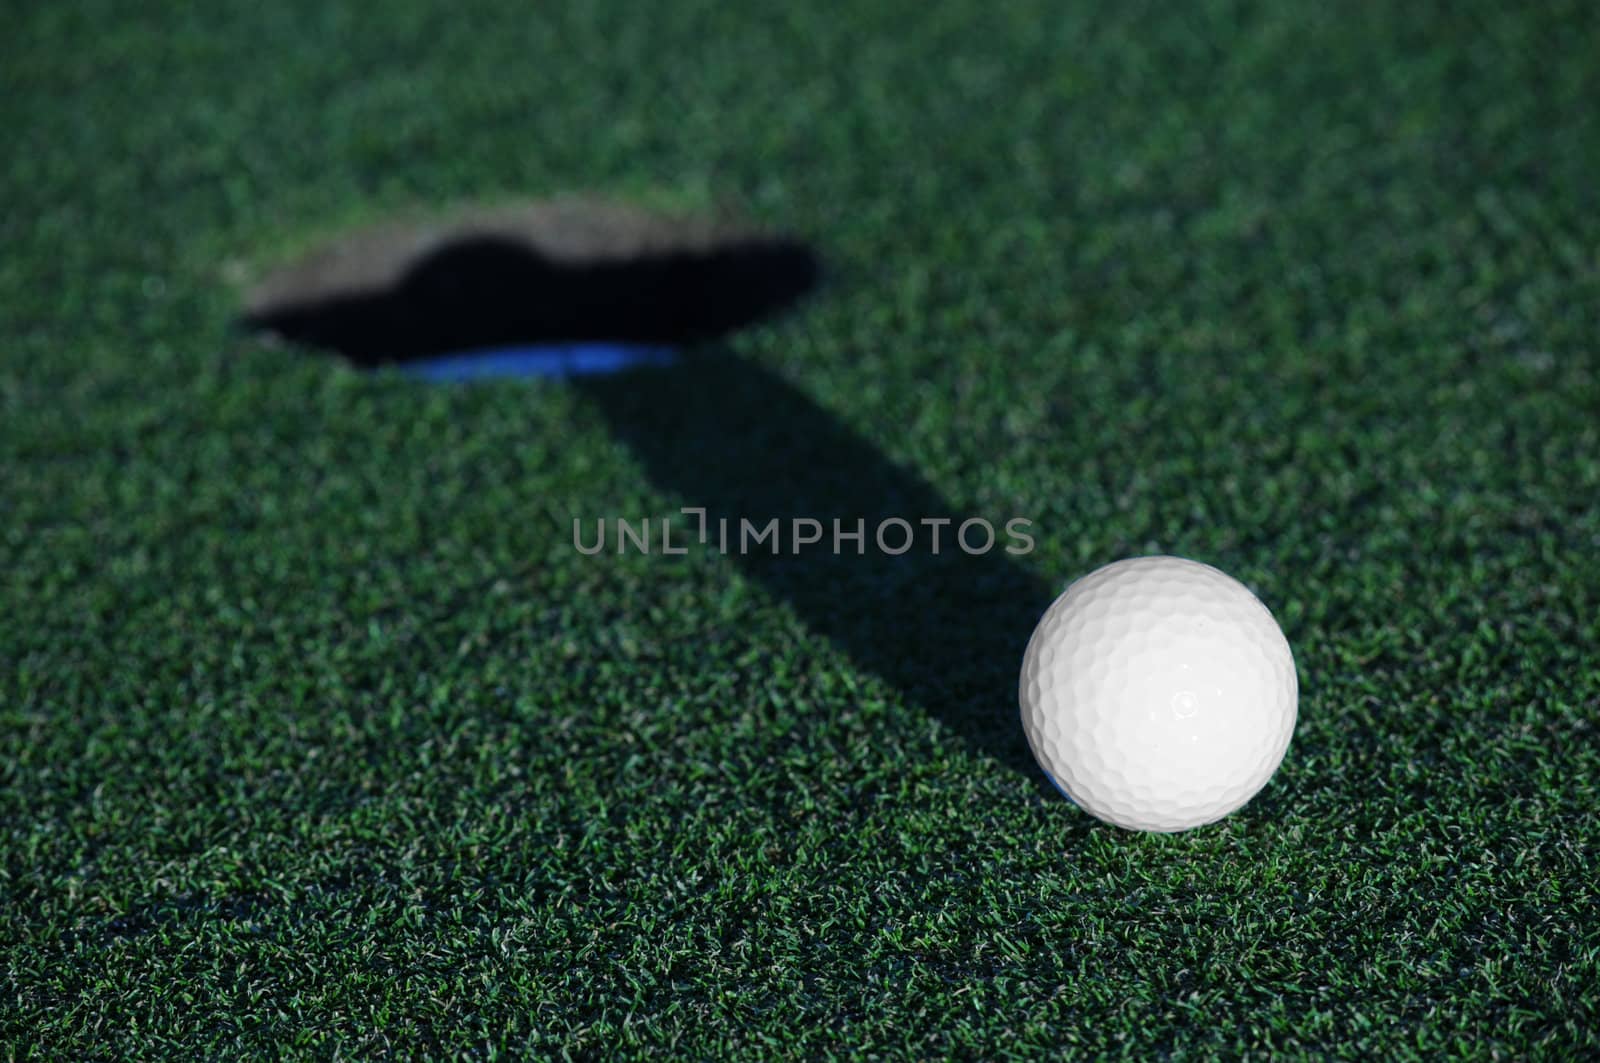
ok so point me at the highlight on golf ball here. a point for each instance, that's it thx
(1158, 693)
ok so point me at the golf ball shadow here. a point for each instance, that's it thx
(946, 629)
(722, 433)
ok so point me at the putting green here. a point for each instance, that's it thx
(318, 736)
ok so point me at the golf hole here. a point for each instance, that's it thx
(553, 289)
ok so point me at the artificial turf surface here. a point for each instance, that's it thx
(317, 735)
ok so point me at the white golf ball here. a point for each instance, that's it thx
(1158, 693)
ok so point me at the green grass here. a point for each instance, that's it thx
(316, 735)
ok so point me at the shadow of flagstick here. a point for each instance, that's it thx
(947, 630)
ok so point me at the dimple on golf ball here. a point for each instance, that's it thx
(1158, 693)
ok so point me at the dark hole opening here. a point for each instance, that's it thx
(483, 290)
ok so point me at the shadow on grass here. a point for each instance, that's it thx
(946, 629)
